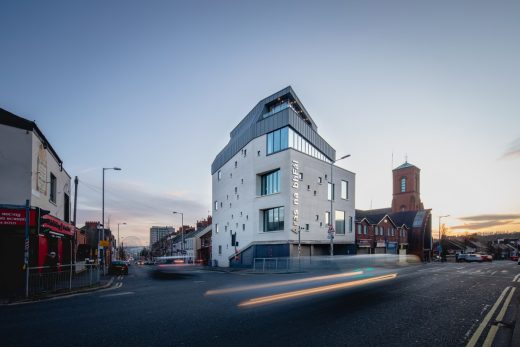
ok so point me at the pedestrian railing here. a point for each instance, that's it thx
(63, 278)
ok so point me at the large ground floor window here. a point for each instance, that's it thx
(340, 222)
(273, 219)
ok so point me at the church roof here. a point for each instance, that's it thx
(404, 166)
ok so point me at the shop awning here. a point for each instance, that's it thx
(56, 225)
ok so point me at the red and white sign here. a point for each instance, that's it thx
(14, 217)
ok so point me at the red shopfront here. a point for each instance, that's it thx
(46, 234)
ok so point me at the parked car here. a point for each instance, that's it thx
(514, 258)
(118, 267)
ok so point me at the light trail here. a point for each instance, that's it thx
(282, 283)
(317, 290)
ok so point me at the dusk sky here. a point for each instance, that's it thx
(155, 87)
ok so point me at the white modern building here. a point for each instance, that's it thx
(158, 232)
(30, 169)
(275, 181)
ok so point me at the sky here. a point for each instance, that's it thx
(156, 87)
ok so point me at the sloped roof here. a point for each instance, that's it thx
(409, 218)
(404, 166)
(10, 119)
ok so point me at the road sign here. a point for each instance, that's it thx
(331, 229)
(103, 243)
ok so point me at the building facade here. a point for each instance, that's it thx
(157, 233)
(274, 181)
(404, 228)
(30, 168)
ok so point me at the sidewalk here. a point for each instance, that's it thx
(104, 283)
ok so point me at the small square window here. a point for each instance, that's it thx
(317, 217)
(301, 176)
(243, 227)
(314, 193)
(320, 180)
(236, 164)
(308, 187)
(245, 152)
(242, 181)
(306, 227)
(258, 153)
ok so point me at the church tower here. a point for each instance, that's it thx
(407, 188)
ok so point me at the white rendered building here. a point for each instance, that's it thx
(273, 181)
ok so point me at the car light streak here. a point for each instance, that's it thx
(312, 291)
(282, 283)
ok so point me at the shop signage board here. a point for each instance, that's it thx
(15, 217)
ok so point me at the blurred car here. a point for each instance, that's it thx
(118, 267)
(486, 257)
(514, 258)
(473, 258)
(460, 257)
(470, 258)
(139, 262)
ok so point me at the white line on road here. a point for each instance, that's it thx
(516, 277)
(494, 328)
(473, 341)
(494, 272)
(116, 294)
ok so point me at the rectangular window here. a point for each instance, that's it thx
(276, 141)
(219, 175)
(269, 143)
(330, 191)
(216, 205)
(219, 250)
(365, 229)
(306, 227)
(66, 208)
(274, 219)
(53, 188)
(340, 222)
(320, 180)
(344, 190)
(359, 229)
(243, 227)
(216, 228)
(350, 222)
(327, 218)
(270, 183)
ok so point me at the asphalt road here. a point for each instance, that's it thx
(437, 304)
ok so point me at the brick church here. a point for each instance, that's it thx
(404, 228)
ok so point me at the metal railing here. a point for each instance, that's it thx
(63, 278)
(284, 264)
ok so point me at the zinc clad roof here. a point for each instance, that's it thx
(254, 125)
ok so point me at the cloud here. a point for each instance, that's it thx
(487, 221)
(489, 217)
(480, 225)
(513, 150)
(138, 206)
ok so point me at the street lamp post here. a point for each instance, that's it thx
(331, 228)
(182, 228)
(103, 210)
(118, 244)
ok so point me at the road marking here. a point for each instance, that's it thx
(494, 328)
(494, 272)
(460, 268)
(116, 294)
(516, 277)
(473, 341)
(119, 285)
